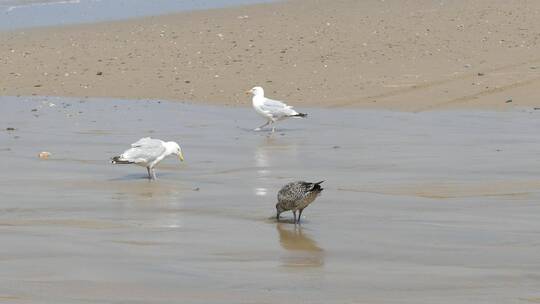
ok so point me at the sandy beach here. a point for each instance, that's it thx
(423, 121)
(403, 55)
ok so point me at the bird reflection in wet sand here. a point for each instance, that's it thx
(270, 153)
(301, 249)
(273, 150)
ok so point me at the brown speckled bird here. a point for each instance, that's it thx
(297, 196)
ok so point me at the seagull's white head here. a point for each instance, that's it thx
(174, 148)
(256, 91)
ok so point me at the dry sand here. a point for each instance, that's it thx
(405, 55)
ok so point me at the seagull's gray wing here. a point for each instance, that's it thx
(147, 141)
(277, 108)
(144, 150)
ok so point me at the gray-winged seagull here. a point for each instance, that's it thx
(272, 110)
(148, 152)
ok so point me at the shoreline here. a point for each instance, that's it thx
(39, 14)
(375, 55)
(46, 99)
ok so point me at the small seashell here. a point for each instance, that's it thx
(44, 155)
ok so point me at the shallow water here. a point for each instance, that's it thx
(433, 207)
(15, 14)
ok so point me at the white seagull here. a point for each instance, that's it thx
(148, 152)
(272, 110)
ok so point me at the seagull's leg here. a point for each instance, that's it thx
(294, 213)
(153, 174)
(300, 215)
(259, 128)
(149, 173)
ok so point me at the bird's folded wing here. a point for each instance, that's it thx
(277, 107)
(147, 141)
(290, 193)
(146, 149)
(274, 103)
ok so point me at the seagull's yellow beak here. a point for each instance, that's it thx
(181, 156)
(248, 92)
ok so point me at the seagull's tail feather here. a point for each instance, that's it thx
(317, 186)
(303, 115)
(118, 160)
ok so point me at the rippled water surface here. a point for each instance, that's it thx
(434, 207)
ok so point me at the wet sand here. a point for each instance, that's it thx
(432, 207)
(393, 54)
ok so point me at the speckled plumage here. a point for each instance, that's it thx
(297, 196)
